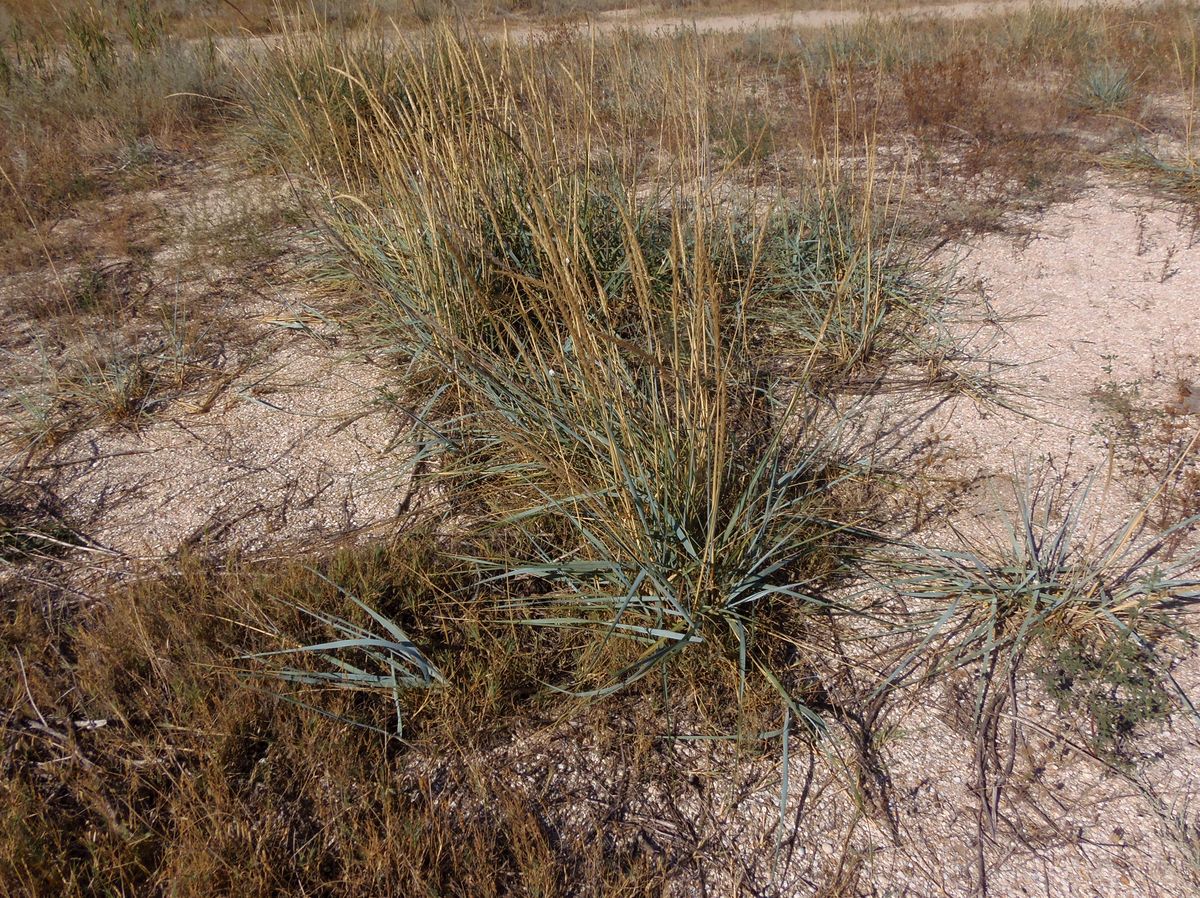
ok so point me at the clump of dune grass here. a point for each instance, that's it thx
(1104, 88)
(1173, 165)
(378, 657)
(628, 362)
(1178, 173)
(620, 372)
(1100, 615)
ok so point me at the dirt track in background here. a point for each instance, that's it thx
(719, 23)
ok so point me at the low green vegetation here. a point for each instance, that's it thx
(1105, 89)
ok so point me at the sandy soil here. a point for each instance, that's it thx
(1098, 311)
(1067, 829)
(292, 452)
(280, 440)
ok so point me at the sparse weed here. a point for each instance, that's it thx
(1114, 683)
(107, 289)
(152, 687)
(90, 49)
(29, 526)
(1154, 448)
(745, 131)
(1179, 173)
(1059, 582)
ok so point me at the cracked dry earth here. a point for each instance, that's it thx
(282, 443)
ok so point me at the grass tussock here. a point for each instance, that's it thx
(1103, 613)
(106, 377)
(587, 346)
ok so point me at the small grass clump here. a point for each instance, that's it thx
(1064, 589)
(107, 377)
(55, 398)
(1176, 172)
(30, 526)
(1105, 89)
(1060, 577)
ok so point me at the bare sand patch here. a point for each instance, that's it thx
(1100, 299)
(266, 430)
(1097, 315)
(293, 451)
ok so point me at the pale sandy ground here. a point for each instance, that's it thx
(1105, 290)
(1101, 298)
(284, 443)
(293, 452)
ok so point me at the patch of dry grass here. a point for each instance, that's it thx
(85, 116)
(134, 759)
(986, 116)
